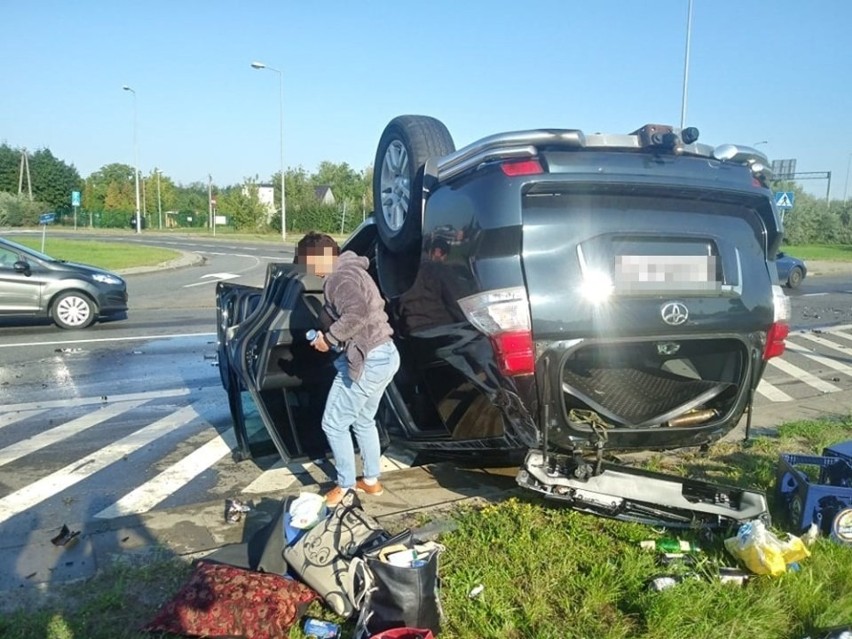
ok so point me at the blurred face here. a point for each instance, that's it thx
(321, 264)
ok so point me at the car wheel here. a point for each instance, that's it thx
(406, 143)
(795, 278)
(73, 310)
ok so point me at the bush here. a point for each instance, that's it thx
(17, 210)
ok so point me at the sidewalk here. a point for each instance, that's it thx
(34, 564)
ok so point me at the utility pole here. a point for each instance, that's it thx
(25, 168)
(159, 202)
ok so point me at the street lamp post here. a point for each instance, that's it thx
(135, 160)
(159, 201)
(846, 185)
(686, 66)
(261, 65)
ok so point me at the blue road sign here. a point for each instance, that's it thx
(785, 199)
(75, 198)
(46, 218)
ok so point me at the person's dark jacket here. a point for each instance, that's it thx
(357, 309)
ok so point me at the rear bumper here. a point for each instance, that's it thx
(631, 494)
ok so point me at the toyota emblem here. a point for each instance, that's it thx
(674, 313)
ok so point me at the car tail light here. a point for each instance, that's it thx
(504, 316)
(780, 328)
(522, 167)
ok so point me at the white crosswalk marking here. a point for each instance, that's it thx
(152, 492)
(71, 402)
(80, 469)
(826, 343)
(11, 418)
(803, 375)
(772, 393)
(55, 435)
(828, 362)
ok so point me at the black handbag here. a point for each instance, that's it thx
(401, 586)
(322, 556)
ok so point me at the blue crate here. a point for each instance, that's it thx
(843, 449)
(808, 502)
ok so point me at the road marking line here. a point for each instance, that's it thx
(813, 294)
(772, 393)
(820, 359)
(108, 399)
(81, 469)
(804, 376)
(827, 343)
(843, 334)
(108, 339)
(54, 435)
(145, 497)
(12, 417)
(839, 327)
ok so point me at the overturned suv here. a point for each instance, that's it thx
(555, 296)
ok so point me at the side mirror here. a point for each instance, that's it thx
(21, 267)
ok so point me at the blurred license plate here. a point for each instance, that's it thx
(684, 272)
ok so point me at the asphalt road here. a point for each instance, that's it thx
(129, 416)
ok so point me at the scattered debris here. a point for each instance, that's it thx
(65, 537)
(234, 509)
(31, 575)
(137, 352)
(68, 350)
(476, 591)
(210, 356)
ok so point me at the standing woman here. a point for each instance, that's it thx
(359, 328)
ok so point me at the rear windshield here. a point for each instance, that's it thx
(652, 240)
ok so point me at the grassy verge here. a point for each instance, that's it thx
(549, 572)
(827, 252)
(108, 255)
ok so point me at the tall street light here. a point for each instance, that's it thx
(846, 185)
(159, 201)
(686, 66)
(261, 65)
(135, 160)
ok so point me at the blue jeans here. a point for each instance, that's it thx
(353, 405)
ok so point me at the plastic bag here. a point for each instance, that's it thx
(762, 551)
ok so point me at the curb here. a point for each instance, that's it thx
(185, 259)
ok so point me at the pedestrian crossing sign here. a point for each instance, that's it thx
(784, 199)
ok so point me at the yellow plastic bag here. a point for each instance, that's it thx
(762, 551)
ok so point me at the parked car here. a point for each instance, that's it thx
(600, 292)
(33, 284)
(791, 270)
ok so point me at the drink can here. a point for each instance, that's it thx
(320, 629)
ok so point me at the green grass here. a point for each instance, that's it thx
(112, 256)
(549, 572)
(827, 252)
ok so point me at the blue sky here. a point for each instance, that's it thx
(777, 71)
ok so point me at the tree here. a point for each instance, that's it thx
(242, 204)
(168, 196)
(53, 180)
(110, 188)
(10, 161)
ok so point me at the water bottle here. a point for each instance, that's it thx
(669, 545)
(312, 334)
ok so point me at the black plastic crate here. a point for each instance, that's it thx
(816, 497)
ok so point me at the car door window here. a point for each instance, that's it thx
(7, 258)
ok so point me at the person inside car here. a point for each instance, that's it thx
(359, 329)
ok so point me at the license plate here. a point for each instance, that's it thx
(681, 272)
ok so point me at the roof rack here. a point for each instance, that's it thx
(526, 144)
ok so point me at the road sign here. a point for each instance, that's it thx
(785, 199)
(75, 198)
(46, 218)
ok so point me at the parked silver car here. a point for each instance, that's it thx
(33, 284)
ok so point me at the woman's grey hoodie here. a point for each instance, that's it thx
(352, 300)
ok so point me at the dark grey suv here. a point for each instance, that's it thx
(33, 284)
(554, 295)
